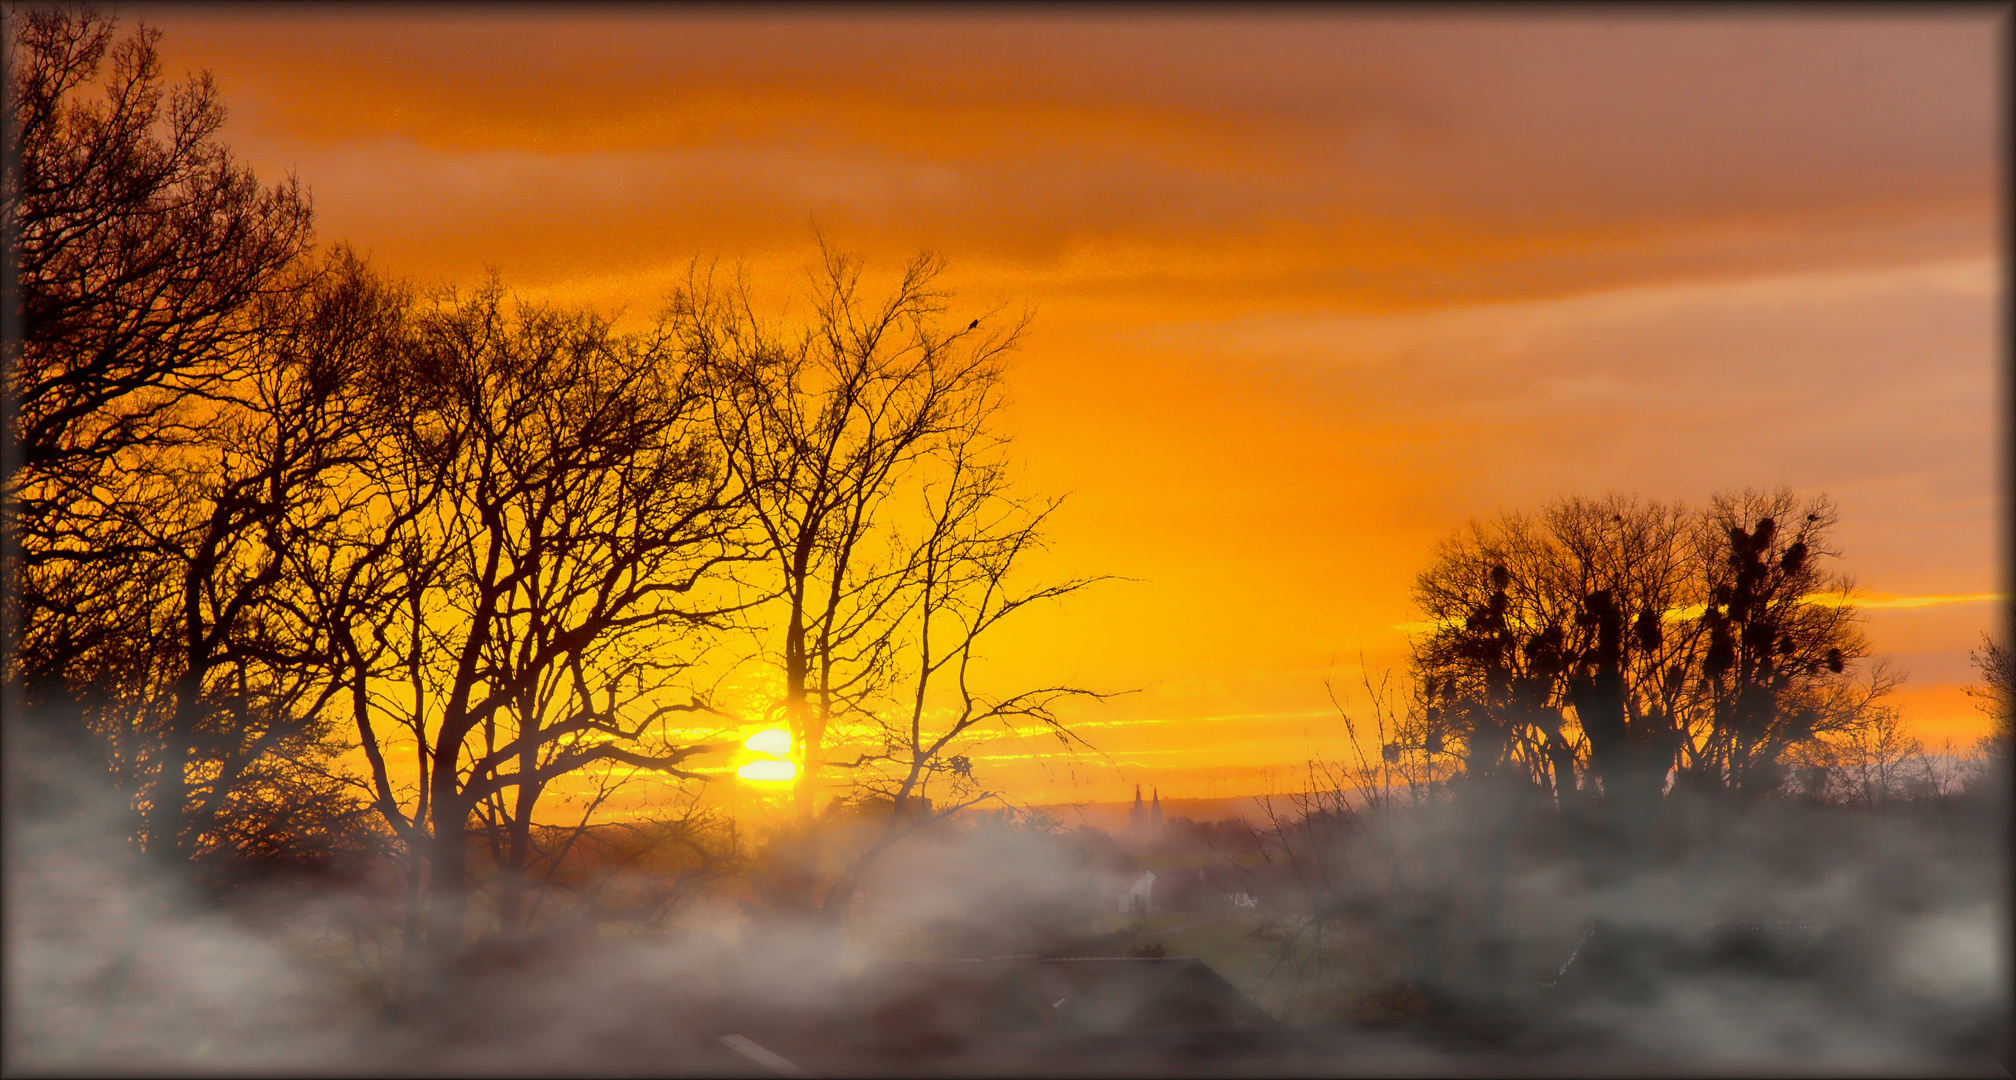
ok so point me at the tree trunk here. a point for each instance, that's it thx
(797, 715)
(412, 932)
(447, 876)
(170, 796)
(518, 841)
(512, 912)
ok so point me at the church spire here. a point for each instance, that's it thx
(1155, 814)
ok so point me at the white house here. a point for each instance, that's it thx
(1141, 895)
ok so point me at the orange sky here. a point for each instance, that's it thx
(1312, 288)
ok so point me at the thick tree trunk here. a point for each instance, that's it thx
(447, 876)
(170, 796)
(512, 886)
(412, 932)
(518, 841)
(1600, 706)
(1508, 799)
(1621, 756)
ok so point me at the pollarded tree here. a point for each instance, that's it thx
(1529, 614)
(1779, 635)
(1609, 645)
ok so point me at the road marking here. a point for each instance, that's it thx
(764, 1057)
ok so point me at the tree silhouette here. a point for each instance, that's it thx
(865, 438)
(1996, 697)
(242, 692)
(1997, 694)
(1605, 648)
(1780, 636)
(823, 425)
(177, 412)
(959, 583)
(514, 595)
(141, 247)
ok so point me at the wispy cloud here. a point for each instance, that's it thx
(1884, 600)
(1859, 600)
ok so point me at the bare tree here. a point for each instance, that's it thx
(866, 440)
(823, 424)
(177, 411)
(1604, 648)
(244, 692)
(141, 246)
(188, 667)
(1873, 767)
(1780, 634)
(192, 680)
(519, 601)
(1580, 662)
(958, 584)
(1997, 694)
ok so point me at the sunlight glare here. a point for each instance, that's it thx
(773, 771)
(773, 741)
